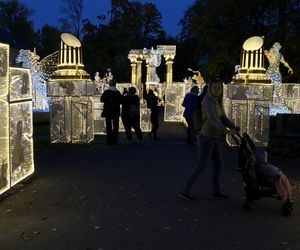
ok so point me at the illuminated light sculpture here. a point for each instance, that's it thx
(16, 154)
(174, 94)
(197, 77)
(275, 58)
(101, 84)
(152, 57)
(40, 72)
(249, 94)
(71, 91)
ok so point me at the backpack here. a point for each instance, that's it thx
(133, 111)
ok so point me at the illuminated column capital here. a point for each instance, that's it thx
(133, 68)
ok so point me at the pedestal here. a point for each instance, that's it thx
(16, 143)
(71, 111)
(248, 108)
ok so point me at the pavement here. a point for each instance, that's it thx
(125, 197)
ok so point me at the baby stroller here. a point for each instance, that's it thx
(256, 184)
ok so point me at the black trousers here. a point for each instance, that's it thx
(132, 122)
(191, 133)
(154, 123)
(112, 130)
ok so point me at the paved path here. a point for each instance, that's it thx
(125, 197)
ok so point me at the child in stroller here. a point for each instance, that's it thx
(261, 178)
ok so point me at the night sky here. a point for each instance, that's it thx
(48, 12)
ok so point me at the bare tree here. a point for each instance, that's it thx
(72, 10)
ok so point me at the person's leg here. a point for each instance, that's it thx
(109, 133)
(115, 129)
(287, 187)
(190, 128)
(137, 128)
(127, 127)
(154, 125)
(206, 147)
(217, 159)
(283, 188)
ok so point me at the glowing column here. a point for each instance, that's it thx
(147, 72)
(133, 72)
(169, 64)
(139, 77)
(139, 71)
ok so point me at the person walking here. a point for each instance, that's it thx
(152, 104)
(131, 114)
(190, 102)
(214, 126)
(111, 112)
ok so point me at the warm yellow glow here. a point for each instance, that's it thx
(174, 95)
(4, 144)
(71, 89)
(16, 154)
(21, 141)
(70, 40)
(137, 56)
(20, 87)
(253, 43)
(4, 119)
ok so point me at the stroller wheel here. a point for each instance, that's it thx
(287, 208)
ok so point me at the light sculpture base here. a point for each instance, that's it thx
(247, 106)
(71, 119)
(16, 142)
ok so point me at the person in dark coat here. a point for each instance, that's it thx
(131, 114)
(111, 111)
(190, 104)
(152, 104)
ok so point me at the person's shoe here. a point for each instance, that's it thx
(186, 196)
(221, 196)
(287, 208)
